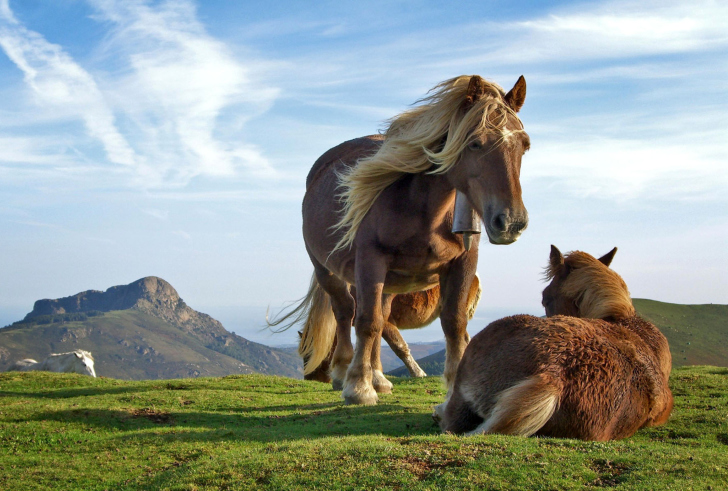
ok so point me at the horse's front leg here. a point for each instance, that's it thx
(455, 287)
(368, 322)
(379, 381)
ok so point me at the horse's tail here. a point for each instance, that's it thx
(319, 332)
(319, 329)
(524, 408)
(474, 296)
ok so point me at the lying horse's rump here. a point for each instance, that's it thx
(563, 376)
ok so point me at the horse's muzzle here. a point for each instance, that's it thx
(502, 229)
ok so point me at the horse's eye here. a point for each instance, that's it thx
(475, 146)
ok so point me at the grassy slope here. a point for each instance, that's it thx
(260, 432)
(129, 344)
(698, 335)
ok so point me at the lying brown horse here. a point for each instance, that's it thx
(409, 311)
(592, 369)
(378, 214)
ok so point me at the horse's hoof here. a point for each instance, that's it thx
(380, 383)
(438, 412)
(363, 396)
(383, 389)
(337, 384)
(418, 374)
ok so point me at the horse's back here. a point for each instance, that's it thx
(347, 153)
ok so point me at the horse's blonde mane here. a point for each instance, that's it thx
(82, 352)
(599, 292)
(414, 143)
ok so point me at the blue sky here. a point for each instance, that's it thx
(173, 139)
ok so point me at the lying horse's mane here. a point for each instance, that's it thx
(414, 143)
(600, 293)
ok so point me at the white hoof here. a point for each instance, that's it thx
(417, 372)
(380, 383)
(361, 394)
(438, 412)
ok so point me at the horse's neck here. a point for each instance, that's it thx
(432, 193)
(58, 363)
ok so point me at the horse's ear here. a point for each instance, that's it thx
(78, 355)
(476, 90)
(556, 259)
(517, 95)
(606, 259)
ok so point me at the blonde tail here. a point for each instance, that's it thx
(524, 408)
(319, 332)
(320, 325)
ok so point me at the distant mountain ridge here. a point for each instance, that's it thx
(140, 330)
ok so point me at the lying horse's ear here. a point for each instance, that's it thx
(556, 259)
(78, 355)
(476, 90)
(517, 95)
(606, 259)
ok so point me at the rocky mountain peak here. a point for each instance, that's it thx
(146, 293)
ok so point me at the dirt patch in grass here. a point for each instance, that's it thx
(159, 417)
(421, 468)
(610, 473)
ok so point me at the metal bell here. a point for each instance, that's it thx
(465, 220)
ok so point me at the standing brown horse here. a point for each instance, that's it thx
(409, 311)
(592, 370)
(378, 214)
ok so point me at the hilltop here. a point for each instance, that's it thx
(142, 330)
(698, 335)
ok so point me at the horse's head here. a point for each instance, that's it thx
(583, 286)
(491, 142)
(84, 363)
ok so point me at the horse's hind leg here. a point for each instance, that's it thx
(344, 306)
(395, 341)
(371, 271)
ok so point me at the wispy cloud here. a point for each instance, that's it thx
(58, 81)
(178, 74)
(174, 106)
(158, 214)
(627, 169)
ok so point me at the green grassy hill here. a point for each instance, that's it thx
(70, 432)
(698, 335)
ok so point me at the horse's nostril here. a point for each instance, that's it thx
(500, 222)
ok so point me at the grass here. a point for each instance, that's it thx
(62, 431)
(698, 334)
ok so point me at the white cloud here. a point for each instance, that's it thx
(179, 75)
(25, 150)
(173, 107)
(58, 81)
(158, 214)
(621, 29)
(623, 169)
